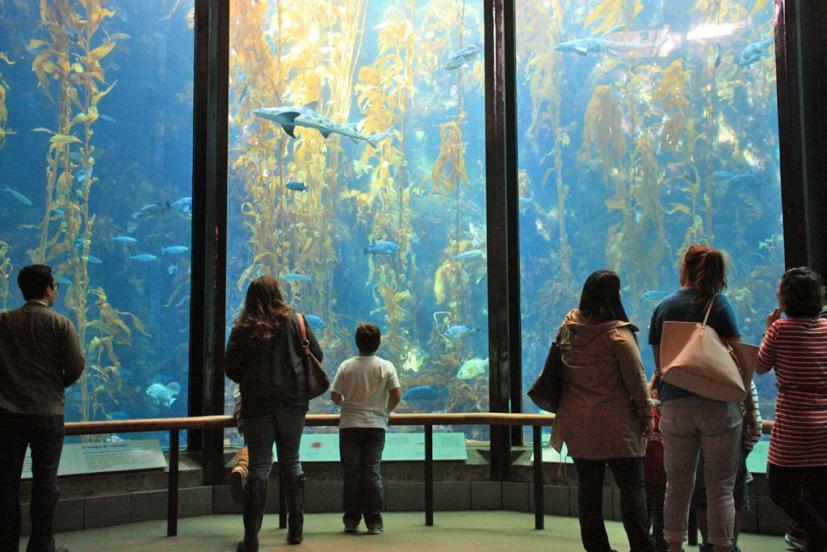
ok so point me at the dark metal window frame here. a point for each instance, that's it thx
(800, 29)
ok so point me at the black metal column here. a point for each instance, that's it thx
(513, 225)
(502, 220)
(209, 228)
(801, 69)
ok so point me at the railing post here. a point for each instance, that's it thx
(539, 506)
(172, 490)
(429, 475)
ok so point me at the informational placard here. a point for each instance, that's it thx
(324, 447)
(81, 458)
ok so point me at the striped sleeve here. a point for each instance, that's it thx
(752, 438)
(767, 352)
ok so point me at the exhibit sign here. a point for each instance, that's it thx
(144, 454)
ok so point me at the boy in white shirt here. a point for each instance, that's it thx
(367, 388)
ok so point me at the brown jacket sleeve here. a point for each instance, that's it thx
(631, 369)
(71, 355)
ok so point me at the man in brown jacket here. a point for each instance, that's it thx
(40, 355)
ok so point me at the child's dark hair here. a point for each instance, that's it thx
(801, 292)
(368, 338)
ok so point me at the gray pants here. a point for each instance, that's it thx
(689, 425)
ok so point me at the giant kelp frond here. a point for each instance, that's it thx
(68, 63)
(672, 94)
(5, 274)
(612, 13)
(4, 112)
(384, 91)
(602, 132)
(449, 168)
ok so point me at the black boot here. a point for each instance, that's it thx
(295, 508)
(253, 514)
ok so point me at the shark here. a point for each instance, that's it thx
(289, 117)
(597, 44)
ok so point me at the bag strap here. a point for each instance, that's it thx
(708, 310)
(303, 333)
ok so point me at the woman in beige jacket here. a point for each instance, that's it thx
(604, 412)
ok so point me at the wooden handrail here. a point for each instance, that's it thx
(316, 420)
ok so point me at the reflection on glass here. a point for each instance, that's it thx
(95, 142)
(645, 127)
(357, 178)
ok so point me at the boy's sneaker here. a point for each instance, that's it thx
(374, 529)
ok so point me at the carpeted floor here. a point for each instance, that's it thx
(452, 531)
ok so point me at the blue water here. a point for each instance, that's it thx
(681, 146)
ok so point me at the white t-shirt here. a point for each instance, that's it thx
(364, 383)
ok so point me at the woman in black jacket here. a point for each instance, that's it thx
(265, 356)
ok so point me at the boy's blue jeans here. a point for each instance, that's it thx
(363, 495)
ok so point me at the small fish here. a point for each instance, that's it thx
(296, 186)
(472, 368)
(470, 254)
(382, 247)
(422, 393)
(172, 269)
(174, 250)
(119, 415)
(143, 258)
(163, 395)
(91, 259)
(151, 210)
(314, 322)
(462, 56)
(65, 280)
(82, 175)
(182, 206)
(753, 51)
(478, 234)
(124, 239)
(654, 295)
(295, 277)
(18, 196)
(58, 211)
(456, 332)
(107, 118)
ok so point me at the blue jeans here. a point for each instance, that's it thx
(690, 425)
(284, 428)
(360, 450)
(628, 474)
(45, 436)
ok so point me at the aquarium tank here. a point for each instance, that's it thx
(95, 180)
(644, 127)
(357, 176)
